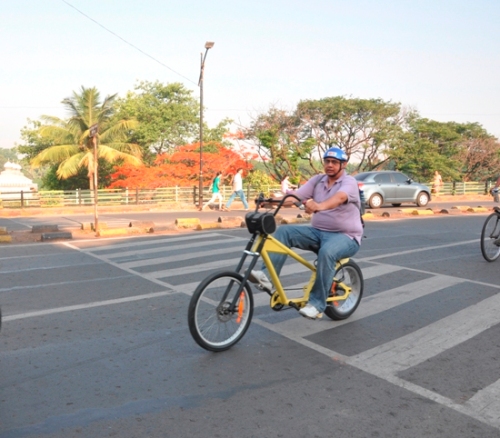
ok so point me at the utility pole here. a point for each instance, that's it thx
(93, 135)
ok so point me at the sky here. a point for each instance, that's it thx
(438, 57)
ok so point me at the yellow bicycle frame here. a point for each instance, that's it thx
(279, 297)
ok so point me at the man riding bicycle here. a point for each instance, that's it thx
(336, 228)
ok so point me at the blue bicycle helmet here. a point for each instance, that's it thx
(337, 153)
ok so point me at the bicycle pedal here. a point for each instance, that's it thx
(264, 289)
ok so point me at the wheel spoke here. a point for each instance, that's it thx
(349, 275)
(220, 312)
(490, 238)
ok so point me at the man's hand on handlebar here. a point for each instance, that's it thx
(311, 206)
(278, 202)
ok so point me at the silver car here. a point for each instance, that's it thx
(390, 187)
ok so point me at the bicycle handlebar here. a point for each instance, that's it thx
(262, 200)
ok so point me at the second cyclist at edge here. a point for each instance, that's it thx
(336, 228)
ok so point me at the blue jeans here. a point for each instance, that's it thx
(239, 193)
(333, 247)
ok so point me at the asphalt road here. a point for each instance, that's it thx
(95, 342)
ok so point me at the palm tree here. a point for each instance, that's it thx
(73, 148)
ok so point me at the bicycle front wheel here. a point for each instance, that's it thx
(348, 275)
(214, 322)
(490, 238)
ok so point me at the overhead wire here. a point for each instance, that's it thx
(127, 42)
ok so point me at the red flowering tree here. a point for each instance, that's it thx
(182, 167)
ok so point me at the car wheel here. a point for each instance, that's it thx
(375, 201)
(422, 199)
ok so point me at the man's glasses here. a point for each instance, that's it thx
(330, 161)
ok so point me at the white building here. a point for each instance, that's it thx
(12, 182)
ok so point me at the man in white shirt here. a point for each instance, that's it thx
(237, 190)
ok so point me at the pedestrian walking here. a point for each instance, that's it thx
(216, 195)
(285, 185)
(437, 183)
(237, 185)
(495, 190)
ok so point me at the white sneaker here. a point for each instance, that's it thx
(310, 312)
(261, 281)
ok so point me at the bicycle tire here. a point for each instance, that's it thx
(350, 274)
(489, 235)
(211, 324)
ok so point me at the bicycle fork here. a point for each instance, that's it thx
(237, 302)
(338, 285)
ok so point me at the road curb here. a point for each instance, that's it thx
(59, 235)
(422, 212)
(207, 226)
(169, 227)
(192, 222)
(145, 225)
(450, 211)
(460, 207)
(89, 226)
(107, 232)
(234, 222)
(477, 209)
(44, 228)
(230, 219)
(406, 210)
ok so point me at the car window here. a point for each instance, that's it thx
(361, 176)
(382, 178)
(399, 178)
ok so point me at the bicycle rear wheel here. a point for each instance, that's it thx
(212, 323)
(490, 238)
(350, 275)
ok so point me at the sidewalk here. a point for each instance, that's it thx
(18, 226)
(236, 206)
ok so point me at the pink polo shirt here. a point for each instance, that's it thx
(343, 219)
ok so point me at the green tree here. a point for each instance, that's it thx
(50, 181)
(217, 134)
(459, 151)
(167, 116)
(7, 155)
(278, 135)
(34, 143)
(32, 146)
(70, 143)
(479, 153)
(260, 181)
(363, 128)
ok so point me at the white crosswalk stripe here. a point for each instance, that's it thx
(386, 361)
(422, 344)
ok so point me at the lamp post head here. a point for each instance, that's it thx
(209, 44)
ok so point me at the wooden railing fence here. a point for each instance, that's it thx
(169, 195)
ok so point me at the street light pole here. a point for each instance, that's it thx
(208, 45)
